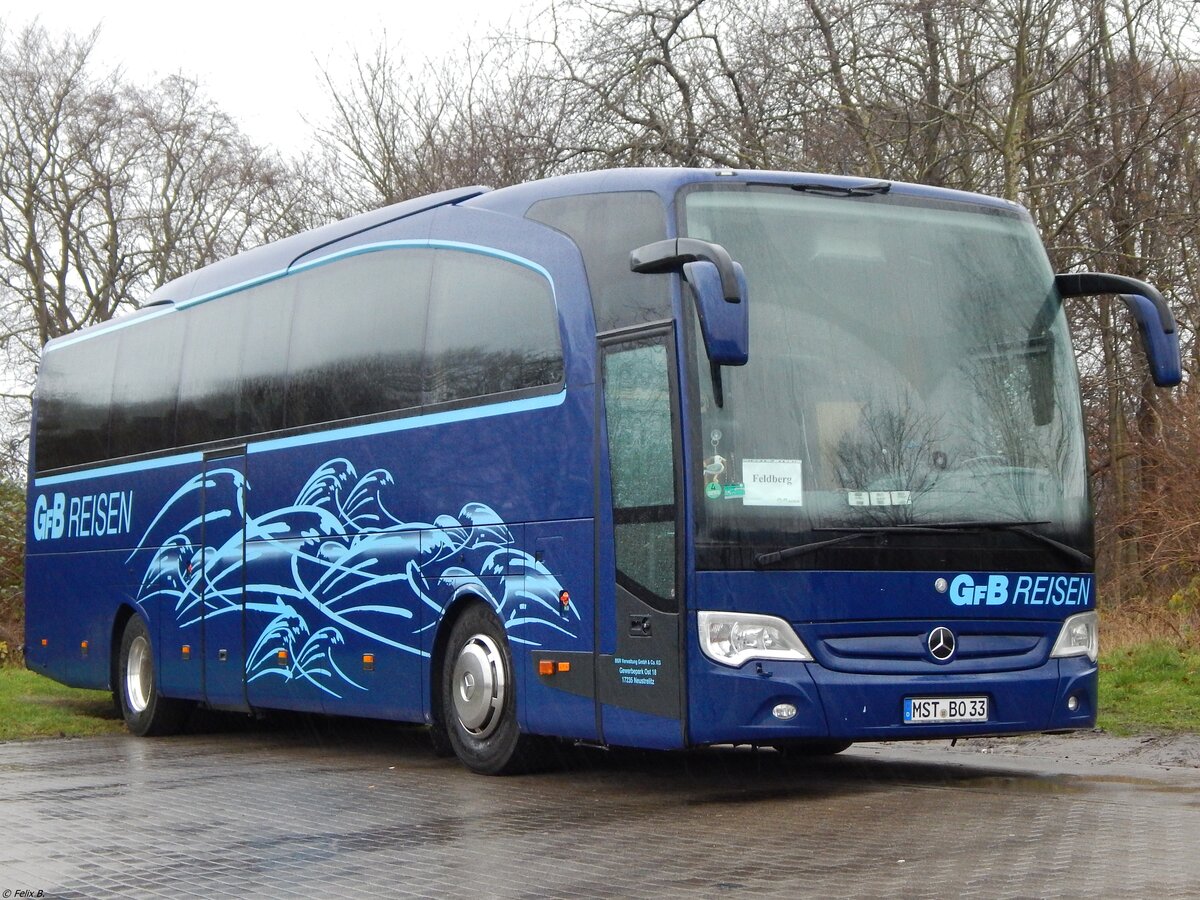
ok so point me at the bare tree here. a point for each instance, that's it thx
(472, 118)
(206, 191)
(107, 190)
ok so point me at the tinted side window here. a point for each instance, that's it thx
(146, 386)
(212, 358)
(357, 335)
(74, 389)
(261, 386)
(606, 227)
(493, 327)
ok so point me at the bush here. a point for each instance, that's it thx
(12, 572)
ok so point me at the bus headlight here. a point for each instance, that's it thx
(1080, 636)
(733, 638)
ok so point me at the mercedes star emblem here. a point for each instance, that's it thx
(941, 643)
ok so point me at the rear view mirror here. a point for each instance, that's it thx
(1160, 346)
(1156, 323)
(719, 285)
(725, 326)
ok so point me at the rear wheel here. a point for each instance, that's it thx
(145, 710)
(478, 698)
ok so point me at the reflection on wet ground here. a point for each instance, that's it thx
(303, 806)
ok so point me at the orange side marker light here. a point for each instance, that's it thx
(545, 667)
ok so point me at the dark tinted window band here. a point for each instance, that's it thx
(359, 336)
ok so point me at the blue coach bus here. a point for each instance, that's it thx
(656, 458)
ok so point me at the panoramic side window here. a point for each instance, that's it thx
(146, 386)
(357, 334)
(606, 227)
(73, 403)
(350, 338)
(212, 357)
(493, 328)
(262, 384)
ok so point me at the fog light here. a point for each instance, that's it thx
(1072, 703)
(784, 711)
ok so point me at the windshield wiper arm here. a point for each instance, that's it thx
(766, 559)
(1019, 527)
(1065, 549)
(837, 190)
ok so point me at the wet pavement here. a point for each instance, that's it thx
(351, 808)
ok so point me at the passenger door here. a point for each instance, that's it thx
(222, 558)
(641, 682)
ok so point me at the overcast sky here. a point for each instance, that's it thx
(260, 62)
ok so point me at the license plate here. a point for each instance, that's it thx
(922, 710)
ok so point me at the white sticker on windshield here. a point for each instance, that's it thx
(773, 482)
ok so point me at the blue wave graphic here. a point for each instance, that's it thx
(334, 562)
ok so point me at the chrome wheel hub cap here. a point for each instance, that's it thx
(479, 686)
(139, 675)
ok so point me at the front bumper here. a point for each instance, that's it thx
(735, 705)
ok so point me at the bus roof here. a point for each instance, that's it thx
(279, 256)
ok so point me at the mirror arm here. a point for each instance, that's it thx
(1155, 322)
(670, 255)
(1088, 284)
(717, 386)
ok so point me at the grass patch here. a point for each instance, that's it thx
(33, 706)
(1150, 687)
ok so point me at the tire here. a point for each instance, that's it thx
(478, 698)
(438, 737)
(813, 748)
(146, 711)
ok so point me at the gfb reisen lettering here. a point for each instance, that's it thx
(1026, 590)
(90, 515)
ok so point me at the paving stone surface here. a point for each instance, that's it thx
(356, 809)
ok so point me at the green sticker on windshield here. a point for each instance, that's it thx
(735, 491)
(713, 491)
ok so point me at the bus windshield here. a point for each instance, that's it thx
(909, 367)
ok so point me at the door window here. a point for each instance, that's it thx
(637, 394)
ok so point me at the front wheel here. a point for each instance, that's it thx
(478, 698)
(146, 711)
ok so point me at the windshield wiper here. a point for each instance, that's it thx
(1065, 549)
(837, 190)
(1022, 528)
(766, 559)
